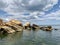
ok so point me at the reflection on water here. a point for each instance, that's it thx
(27, 37)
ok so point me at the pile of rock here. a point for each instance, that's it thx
(17, 26)
(11, 26)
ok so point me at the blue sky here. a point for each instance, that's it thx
(34, 11)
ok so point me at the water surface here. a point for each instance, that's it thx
(27, 37)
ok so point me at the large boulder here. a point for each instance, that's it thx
(27, 26)
(34, 27)
(6, 29)
(14, 26)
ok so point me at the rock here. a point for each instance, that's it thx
(17, 22)
(17, 28)
(1, 22)
(43, 28)
(27, 26)
(56, 29)
(7, 29)
(1, 31)
(14, 26)
(34, 27)
(48, 28)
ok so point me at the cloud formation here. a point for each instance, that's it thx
(34, 8)
(31, 5)
(54, 15)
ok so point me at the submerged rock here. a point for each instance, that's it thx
(27, 26)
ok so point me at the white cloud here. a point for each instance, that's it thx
(17, 6)
(53, 15)
(2, 4)
(35, 8)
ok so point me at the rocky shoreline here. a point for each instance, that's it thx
(17, 26)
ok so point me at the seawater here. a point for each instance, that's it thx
(30, 37)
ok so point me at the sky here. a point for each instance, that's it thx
(34, 11)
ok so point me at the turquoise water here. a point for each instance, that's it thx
(27, 37)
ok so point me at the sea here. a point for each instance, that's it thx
(30, 37)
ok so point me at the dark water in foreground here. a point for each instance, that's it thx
(26, 37)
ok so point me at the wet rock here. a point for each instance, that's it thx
(34, 27)
(7, 29)
(27, 26)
